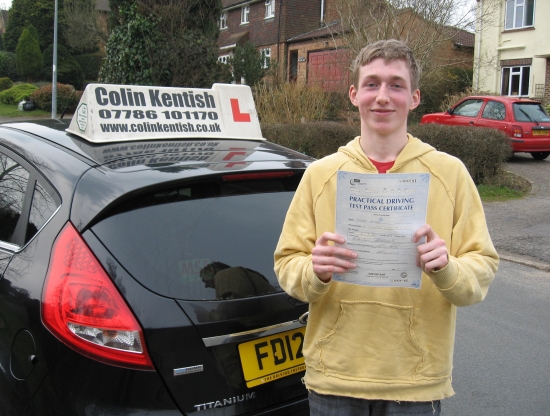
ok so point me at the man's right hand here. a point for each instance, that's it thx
(328, 259)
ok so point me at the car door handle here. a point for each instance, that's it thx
(471, 122)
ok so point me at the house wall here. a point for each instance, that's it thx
(497, 47)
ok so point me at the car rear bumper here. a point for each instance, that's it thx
(530, 145)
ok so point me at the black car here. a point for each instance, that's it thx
(137, 276)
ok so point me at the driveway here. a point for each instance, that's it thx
(520, 229)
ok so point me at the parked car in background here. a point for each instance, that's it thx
(524, 121)
(136, 259)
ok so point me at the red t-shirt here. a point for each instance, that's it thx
(382, 167)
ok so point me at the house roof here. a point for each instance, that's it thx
(330, 29)
(233, 40)
(461, 37)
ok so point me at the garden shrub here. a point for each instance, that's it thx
(481, 150)
(68, 69)
(66, 97)
(5, 83)
(317, 139)
(290, 103)
(90, 64)
(8, 67)
(17, 93)
(28, 57)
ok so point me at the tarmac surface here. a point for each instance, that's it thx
(520, 229)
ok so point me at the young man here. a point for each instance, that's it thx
(380, 350)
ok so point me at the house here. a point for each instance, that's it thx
(266, 23)
(306, 36)
(512, 52)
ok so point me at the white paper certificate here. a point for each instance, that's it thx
(378, 214)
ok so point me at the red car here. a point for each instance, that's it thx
(523, 120)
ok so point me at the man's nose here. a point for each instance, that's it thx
(383, 94)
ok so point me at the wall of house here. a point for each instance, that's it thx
(513, 47)
(303, 49)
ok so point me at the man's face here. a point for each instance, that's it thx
(384, 97)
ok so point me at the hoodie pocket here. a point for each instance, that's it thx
(372, 341)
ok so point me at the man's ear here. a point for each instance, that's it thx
(415, 99)
(353, 95)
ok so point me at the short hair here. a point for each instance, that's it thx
(388, 50)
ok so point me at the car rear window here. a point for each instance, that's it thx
(530, 112)
(209, 240)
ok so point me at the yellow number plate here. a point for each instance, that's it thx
(540, 132)
(270, 358)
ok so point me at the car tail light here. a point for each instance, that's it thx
(517, 131)
(83, 308)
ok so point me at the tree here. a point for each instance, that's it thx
(40, 13)
(427, 26)
(248, 63)
(81, 26)
(166, 42)
(68, 70)
(28, 57)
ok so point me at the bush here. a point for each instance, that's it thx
(90, 64)
(17, 93)
(482, 150)
(8, 67)
(290, 103)
(68, 70)
(28, 56)
(5, 83)
(66, 97)
(313, 139)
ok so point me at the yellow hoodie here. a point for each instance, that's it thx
(377, 342)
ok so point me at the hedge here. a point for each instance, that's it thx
(481, 150)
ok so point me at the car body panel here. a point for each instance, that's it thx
(44, 376)
(500, 113)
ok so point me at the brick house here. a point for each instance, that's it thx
(512, 52)
(296, 33)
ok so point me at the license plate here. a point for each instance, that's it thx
(274, 357)
(540, 132)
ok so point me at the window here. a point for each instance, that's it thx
(269, 8)
(515, 81)
(266, 57)
(13, 185)
(519, 13)
(468, 108)
(223, 21)
(224, 59)
(245, 12)
(494, 111)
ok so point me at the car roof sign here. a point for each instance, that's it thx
(114, 113)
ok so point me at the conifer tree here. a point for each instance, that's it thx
(28, 57)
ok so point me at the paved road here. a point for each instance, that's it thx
(520, 229)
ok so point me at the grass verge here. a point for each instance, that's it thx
(12, 111)
(504, 187)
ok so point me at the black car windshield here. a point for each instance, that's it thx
(530, 112)
(204, 241)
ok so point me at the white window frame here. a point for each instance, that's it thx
(518, 73)
(269, 9)
(517, 10)
(266, 57)
(223, 58)
(223, 21)
(245, 15)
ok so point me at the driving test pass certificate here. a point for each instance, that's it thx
(378, 215)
